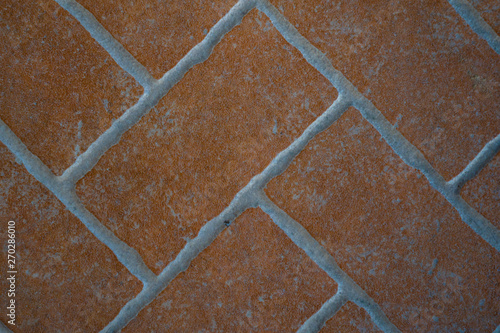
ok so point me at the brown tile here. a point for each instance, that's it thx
(252, 278)
(387, 228)
(158, 33)
(350, 318)
(423, 67)
(66, 277)
(483, 192)
(61, 90)
(184, 162)
(490, 11)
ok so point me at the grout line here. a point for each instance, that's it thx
(413, 157)
(116, 50)
(402, 147)
(281, 162)
(477, 164)
(316, 322)
(477, 23)
(30, 161)
(4, 328)
(252, 194)
(207, 234)
(125, 254)
(86, 161)
(244, 199)
(303, 239)
(313, 56)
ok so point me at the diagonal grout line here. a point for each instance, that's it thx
(316, 322)
(285, 157)
(477, 164)
(477, 23)
(303, 239)
(413, 157)
(246, 197)
(209, 232)
(86, 161)
(128, 256)
(119, 54)
(243, 200)
(408, 152)
(30, 161)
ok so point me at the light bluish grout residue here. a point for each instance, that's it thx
(316, 322)
(252, 194)
(477, 23)
(125, 254)
(303, 239)
(477, 164)
(31, 162)
(119, 54)
(198, 54)
(408, 152)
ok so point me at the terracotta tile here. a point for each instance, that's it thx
(423, 67)
(490, 11)
(54, 74)
(219, 127)
(398, 238)
(350, 318)
(65, 275)
(158, 33)
(253, 278)
(223, 123)
(483, 192)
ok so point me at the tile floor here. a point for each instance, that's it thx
(432, 77)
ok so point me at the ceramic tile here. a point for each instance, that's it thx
(61, 90)
(389, 230)
(424, 68)
(251, 279)
(183, 163)
(65, 276)
(220, 126)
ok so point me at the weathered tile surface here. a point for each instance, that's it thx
(183, 163)
(67, 280)
(431, 76)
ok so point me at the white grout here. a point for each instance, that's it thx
(66, 194)
(252, 194)
(316, 322)
(477, 23)
(477, 164)
(198, 54)
(301, 237)
(119, 54)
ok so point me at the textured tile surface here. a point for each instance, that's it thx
(433, 78)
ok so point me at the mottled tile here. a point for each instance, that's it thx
(60, 89)
(422, 66)
(67, 280)
(184, 162)
(252, 278)
(350, 319)
(158, 33)
(483, 192)
(398, 238)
